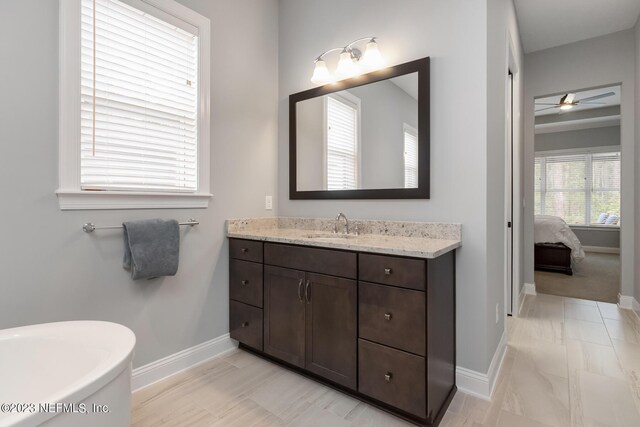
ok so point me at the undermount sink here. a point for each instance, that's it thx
(330, 236)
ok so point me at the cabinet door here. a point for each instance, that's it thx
(284, 309)
(331, 336)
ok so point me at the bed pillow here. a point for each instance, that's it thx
(612, 220)
(602, 218)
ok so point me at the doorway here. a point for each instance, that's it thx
(577, 197)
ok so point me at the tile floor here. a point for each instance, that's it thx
(570, 362)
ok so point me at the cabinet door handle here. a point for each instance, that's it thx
(245, 324)
(307, 295)
(387, 316)
(387, 272)
(244, 282)
(388, 376)
(300, 290)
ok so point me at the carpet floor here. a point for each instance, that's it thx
(596, 278)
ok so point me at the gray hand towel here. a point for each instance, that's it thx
(151, 248)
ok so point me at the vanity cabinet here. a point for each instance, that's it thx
(379, 327)
(310, 319)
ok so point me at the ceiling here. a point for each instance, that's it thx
(603, 102)
(408, 83)
(549, 23)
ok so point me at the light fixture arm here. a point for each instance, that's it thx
(348, 48)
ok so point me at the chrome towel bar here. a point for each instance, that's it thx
(90, 227)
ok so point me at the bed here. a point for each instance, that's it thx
(557, 247)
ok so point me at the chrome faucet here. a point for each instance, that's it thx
(345, 229)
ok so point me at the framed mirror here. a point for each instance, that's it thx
(366, 137)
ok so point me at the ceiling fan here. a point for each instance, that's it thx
(568, 101)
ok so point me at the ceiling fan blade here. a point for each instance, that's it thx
(547, 103)
(547, 108)
(592, 103)
(593, 98)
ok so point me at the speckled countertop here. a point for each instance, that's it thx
(412, 239)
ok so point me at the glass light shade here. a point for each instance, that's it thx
(566, 106)
(321, 73)
(372, 58)
(346, 67)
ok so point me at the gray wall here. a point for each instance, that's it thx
(637, 163)
(52, 270)
(584, 138)
(597, 62)
(600, 238)
(384, 109)
(458, 132)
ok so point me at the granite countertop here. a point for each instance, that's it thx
(412, 239)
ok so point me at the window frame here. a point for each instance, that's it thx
(588, 153)
(69, 192)
(354, 102)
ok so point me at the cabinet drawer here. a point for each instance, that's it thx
(248, 250)
(393, 377)
(245, 282)
(314, 260)
(245, 324)
(390, 270)
(392, 316)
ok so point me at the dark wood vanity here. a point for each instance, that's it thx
(378, 327)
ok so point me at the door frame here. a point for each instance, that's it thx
(513, 292)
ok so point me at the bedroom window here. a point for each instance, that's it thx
(581, 188)
(342, 142)
(137, 133)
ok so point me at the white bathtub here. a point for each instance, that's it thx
(54, 373)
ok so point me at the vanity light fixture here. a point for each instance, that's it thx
(351, 63)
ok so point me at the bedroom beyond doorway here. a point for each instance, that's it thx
(578, 194)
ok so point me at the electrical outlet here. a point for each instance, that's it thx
(268, 202)
(497, 313)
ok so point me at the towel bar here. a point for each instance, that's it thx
(89, 227)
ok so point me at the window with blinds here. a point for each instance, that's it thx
(139, 100)
(410, 157)
(577, 187)
(341, 144)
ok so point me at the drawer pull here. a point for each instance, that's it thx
(388, 376)
(244, 250)
(244, 282)
(245, 324)
(387, 316)
(387, 272)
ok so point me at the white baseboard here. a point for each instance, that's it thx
(521, 298)
(628, 303)
(478, 384)
(601, 249)
(530, 289)
(153, 372)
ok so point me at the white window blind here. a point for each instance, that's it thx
(577, 187)
(139, 101)
(605, 191)
(342, 145)
(410, 157)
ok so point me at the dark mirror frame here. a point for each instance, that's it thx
(421, 66)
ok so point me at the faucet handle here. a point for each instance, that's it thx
(355, 230)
